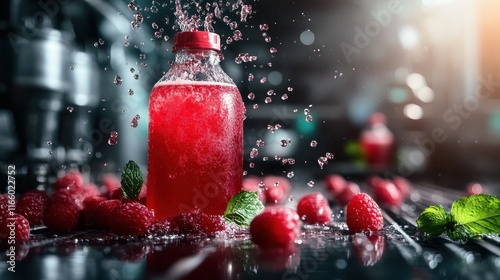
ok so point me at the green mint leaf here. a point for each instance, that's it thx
(434, 221)
(131, 180)
(475, 216)
(243, 207)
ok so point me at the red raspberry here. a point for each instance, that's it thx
(61, 217)
(276, 189)
(313, 208)
(349, 191)
(372, 181)
(32, 205)
(363, 214)
(132, 218)
(67, 196)
(90, 204)
(5, 200)
(385, 192)
(403, 185)
(335, 184)
(72, 179)
(275, 227)
(88, 190)
(110, 183)
(103, 215)
(197, 223)
(21, 230)
(252, 184)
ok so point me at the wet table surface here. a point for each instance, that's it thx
(322, 252)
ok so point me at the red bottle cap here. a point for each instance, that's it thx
(196, 40)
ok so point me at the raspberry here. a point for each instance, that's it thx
(276, 189)
(197, 223)
(67, 196)
(403, 185)
(252, 184)
(385, 192)
(347, 193)
(372, 181)
(103, 215)
(313, 208)
(90, 204)
(72, 179)
(275, 227)
(363, 214)
(32, 205)
(110, 183)
(21, 231)
(132, 218)
(61, 217)
(335, 184)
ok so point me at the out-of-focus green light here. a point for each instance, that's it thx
(494, 123)
(398, 95)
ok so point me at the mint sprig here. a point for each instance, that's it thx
(469, 218)
(131, 180)
(243, 207)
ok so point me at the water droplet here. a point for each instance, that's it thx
(142, 56)
(233, 25)
(250, 77)
(126, 37)
(158, 34)
(80, 140)
(70, 109)
(271, 128)
(260, 143)
(254, 153)
(144, 65)
(307, 111)
(265, 159)
(255, 106)
(113, 138)
(309, 118)
(270, 92)
(276, 157)
(154, 25)
(283, 143)
(263, 80)
(136, 76)
(291, 161)
(273, 50)
(268, 100)
(117, 80)
(101, 41)
(284, 96)
(251, 165)
(130, 91)
(132, 6)
(329, 156)
(290, 198)
(237, 35)
(166, 38)
(135, 121)
(268, 39)
(251, 96)
(71, 68)
(50, 152)
(314, 143)
(229, 40)
(264, 27)
(290, 174)
(49, 142)
(138, 18)
(310, 184)
(322, 161)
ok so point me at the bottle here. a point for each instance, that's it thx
(195, 140)
(377, 141)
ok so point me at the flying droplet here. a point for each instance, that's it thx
(113, 138)
(117, 80)
(70, 109)
(251, 96)
(254, 153)
(310, 184)
(309, 118)
(290, 174)
(283, 143)
(268, 100)
(284, 96)
(314, 143)
(273, 50)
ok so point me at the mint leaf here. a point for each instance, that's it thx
(475, 216)
(131, 180)
(434, 221)
(243, 207)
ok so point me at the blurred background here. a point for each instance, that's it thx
(74, 72)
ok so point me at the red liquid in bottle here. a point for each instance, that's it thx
(195, 155)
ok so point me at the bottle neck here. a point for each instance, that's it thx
(201, 58)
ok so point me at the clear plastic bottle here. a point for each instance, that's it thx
(195, 141)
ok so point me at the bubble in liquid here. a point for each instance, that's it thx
(70, 109)
(250, 77)
(309, 118)
(310, 184)
(284, 96)
(314, 143)
(130, 91)
(268, 100)
(273, 50)
(117, 80)
(254, 153)
(290, 174)
(264, 27)
(260, 143)
(251, 96)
